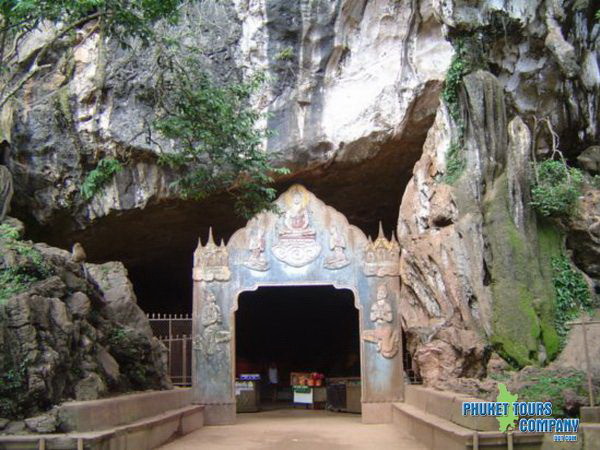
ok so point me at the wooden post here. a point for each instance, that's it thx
(42, 444)
(170, 346)
(509, 438)
(586, 352)
(184, 360)
(79, 443)
(475, 440)
(587, 363)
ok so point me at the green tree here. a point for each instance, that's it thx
(219, 144)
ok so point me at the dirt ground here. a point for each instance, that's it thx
(299, 430)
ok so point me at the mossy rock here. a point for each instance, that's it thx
(522, 290)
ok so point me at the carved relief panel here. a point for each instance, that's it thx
(382, 257)
(385, 333)
(305, 243)
(211, 262)
(297, 239)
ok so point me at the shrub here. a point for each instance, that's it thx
(572, 294)
(550, 385)
(99, 177)
(557, 189)
(30, 268)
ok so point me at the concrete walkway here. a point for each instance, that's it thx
(297, 429)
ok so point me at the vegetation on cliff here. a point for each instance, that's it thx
(220, 145)
(24, 268)
(120, 18)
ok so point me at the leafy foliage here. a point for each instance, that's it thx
(99, 177)
(220, 146)
(467, 57)
(572, 294)
(557, 189)
(549, 386)
(459, 67)
(455, 163)
(122, 19)
(16, 278)
(287, 54)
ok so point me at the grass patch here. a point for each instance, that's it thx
(549, 386)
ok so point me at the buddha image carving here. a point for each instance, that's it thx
(297, 245)
(384, 335)
(256, 246)
(212, 335)
(337, 245)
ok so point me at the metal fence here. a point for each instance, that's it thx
(175, 332)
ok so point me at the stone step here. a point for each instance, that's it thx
(438, 433)
(94, 415)
(447, 405)
(144, 434)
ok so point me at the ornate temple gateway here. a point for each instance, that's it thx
(307, 244)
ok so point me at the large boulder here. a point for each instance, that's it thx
(117, 292)
(59, 340)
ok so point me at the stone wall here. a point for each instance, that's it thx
(353, 99)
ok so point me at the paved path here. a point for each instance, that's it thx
(297, 430)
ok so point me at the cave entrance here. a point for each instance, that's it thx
(304, 244)
(290, 337)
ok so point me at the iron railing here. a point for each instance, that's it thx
(175, 332)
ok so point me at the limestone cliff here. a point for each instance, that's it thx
(354, 102)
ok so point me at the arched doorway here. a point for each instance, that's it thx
(307, 244)
(297, 330)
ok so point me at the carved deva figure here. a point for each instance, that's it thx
(256, 245)
(210, 318)
(337, 244)
(385, 334)
(381, 310)
(297, 245)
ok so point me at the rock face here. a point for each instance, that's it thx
(475, 264)
(351, 103)
(584, 235)
(353, 100)
(60, 340)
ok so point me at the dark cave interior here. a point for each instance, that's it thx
(156, 243)
(300, 329)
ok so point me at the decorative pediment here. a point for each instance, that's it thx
(211, 262)
(382, 257)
